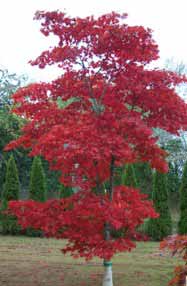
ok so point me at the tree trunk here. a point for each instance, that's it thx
(107, 278)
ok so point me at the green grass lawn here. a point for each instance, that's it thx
(28, 261)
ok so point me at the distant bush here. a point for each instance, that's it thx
(182, 225)
(65, 192)
(10, 192)
(37, 185)
(37, 189)
(160, 227)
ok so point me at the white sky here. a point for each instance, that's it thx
(22, 41)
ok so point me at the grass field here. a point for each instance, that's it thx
(37, 262)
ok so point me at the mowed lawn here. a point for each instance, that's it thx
(28, 261)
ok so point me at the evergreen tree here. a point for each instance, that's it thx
(65, 192)
(173, 181)
(144, 178)
(37, 186)
(182, 225)
(37, 189)
(128, 177)
(11, 191)
(162, 226)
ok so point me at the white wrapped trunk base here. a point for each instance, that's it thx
(107, 278)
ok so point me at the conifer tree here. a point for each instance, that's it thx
(128, 177)
(37, 189)
(144, 177)
(182, 225)
(162, 226)
(37, 186)
(173, 180)
(11, 191)
(64, 191)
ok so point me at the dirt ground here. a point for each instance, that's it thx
(28, 261)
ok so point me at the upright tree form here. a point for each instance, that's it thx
(11, 186)
(65, 191)
(128, 177)
(37, 186)
(10, 124)
(162, 226)
(144, 177)
(10, 192)
(96, 116)
(173, 179)
(182, 225)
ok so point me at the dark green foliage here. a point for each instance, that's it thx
(144, 178)
(52, 180)
(182, 225)
(37, 186)
(160, 227)
(37, 189)
(11, 186)
(128, 177)
(10, 192)
(65, 192)
(9, 123)
(173, 180)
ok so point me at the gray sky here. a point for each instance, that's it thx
(22, 41)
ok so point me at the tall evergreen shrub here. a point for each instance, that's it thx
(182, 224)
(128, 177)
(162, 226)
(144, 178)
(173, 179)
(10, 192)
(65, 192)
(37, 186)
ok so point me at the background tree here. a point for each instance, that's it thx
(37, 189)
(144, 176)
(37, 186)
(9, 83)
(173, 184)
(10, 124)
(97, 116)
(162, 226)
(65, 192)
(182, 225)
(10, 192)
(128, 177)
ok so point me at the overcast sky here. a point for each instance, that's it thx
(22, 41)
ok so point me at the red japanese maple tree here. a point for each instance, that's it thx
(98, 115)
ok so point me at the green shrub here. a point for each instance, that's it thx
(37, 189)
(65, 192)
(128, 177)
(144, 178)
(37, 185)
(182, 224)
(162, 226)
(11, 191)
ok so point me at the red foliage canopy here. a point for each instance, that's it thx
(105, 103)
(81, 219)
(177, 245)
(99, 114)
